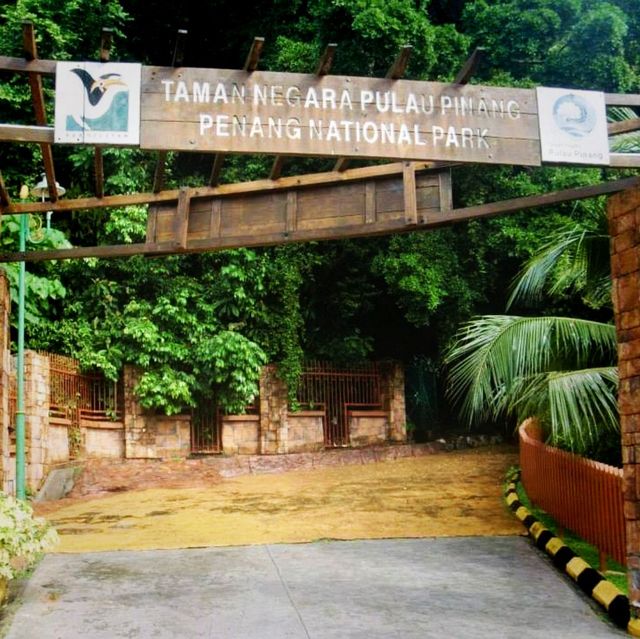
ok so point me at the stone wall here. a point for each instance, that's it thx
(36, 420)
(624, 226)
(393, 402)
(151, 436)
(103, 439)
(241, 434)
(274, 407)
(367, 428)
(305, 432)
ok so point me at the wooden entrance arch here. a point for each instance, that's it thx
(411, 193)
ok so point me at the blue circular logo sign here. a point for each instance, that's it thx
(574, 115)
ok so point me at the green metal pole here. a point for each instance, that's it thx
(21, 492)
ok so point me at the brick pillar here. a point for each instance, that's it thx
(393, 399)
(273, 412)
(36, 416)
(624, 226)
(139, 437)
(7, 463)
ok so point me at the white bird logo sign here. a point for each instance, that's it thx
(97, 103)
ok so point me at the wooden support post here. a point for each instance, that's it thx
(106, 41)
(182, 218)
(37, 97)
(176, 60)
(410, 195)
(5, 200)
(291, 213)
(470, 66)
(98, 167)
(276, 167)
(370, 202)
(250, 65)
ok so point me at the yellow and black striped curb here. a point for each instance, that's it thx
(589, 579)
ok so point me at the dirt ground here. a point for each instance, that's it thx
(446, 494)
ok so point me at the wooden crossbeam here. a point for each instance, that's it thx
(625, 126)
(399, 66)
(253, 57)
(161, 158)
(470, 66)
(37, 98)
(357, 230)
(5, 200)
(250, 65)
(323, 68)
(25, 133)
(178, 50)
(106, 42)
(326, 61)
(256, 186)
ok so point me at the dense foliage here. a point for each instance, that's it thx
(202, 325)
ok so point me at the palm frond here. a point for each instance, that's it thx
(491, 353)
(571, 259)
(581, 405)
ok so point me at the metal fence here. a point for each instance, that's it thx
(90, 396)
(336, 391)
(582, 495)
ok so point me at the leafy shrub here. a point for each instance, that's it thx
(22, 536)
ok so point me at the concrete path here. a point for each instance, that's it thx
(466, 588)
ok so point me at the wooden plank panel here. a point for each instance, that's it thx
(291, 211)
(257, 213)
(357, 230)
(20, 65)
(343, 199)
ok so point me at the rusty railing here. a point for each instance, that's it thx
(582, 495)
(337, 390)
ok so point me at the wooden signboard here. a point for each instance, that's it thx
(330, 211)
(214, 110)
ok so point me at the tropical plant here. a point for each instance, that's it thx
(22, 536)
(560, 369)
(557, 368)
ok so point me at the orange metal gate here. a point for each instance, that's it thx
(337, 390)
